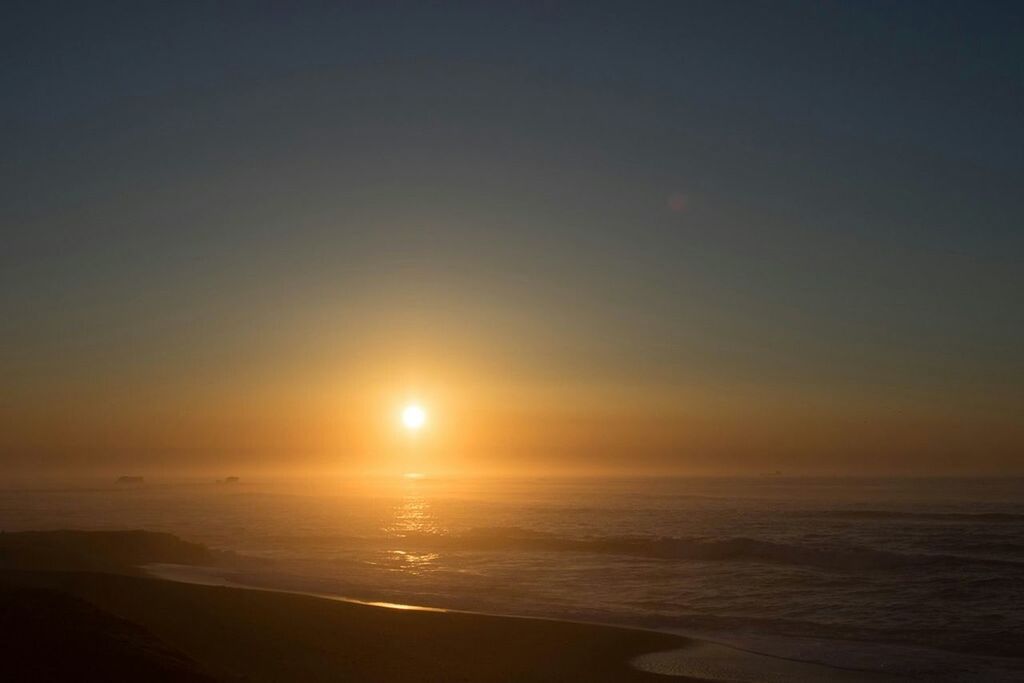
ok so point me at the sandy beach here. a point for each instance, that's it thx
(127, 625)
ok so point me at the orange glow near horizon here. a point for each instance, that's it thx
(387, 413)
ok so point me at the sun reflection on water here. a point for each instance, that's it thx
(412, 517)
(411, 562)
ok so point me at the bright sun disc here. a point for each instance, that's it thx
(414, 417)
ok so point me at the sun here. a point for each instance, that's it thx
(414, 417)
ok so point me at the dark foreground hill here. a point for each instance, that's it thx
(50, 635)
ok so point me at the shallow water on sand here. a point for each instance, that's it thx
(919, 576)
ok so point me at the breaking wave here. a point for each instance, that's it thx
(706, 549)
(923, 516)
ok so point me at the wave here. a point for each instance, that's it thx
(705, 549)
(924, 516)
(995, 547)
(1003, 644)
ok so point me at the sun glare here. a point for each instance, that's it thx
(414, 417)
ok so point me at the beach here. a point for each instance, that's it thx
(137, 625)
(512, 341)
(913, 577)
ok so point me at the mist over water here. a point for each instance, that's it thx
(918, 575)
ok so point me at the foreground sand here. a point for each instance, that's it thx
(265, 636)
(129, 627)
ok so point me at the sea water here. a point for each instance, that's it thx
(923, 577)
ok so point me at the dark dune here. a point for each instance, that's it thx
(48, 635)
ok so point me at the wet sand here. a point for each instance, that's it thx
(122, 625)
(237, 634)
(689, 659)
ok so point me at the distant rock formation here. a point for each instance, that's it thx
(130, 480)
(228, 480)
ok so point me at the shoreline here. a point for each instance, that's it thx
(696, 659)
(869, 659)
(190, 601)
(168, 571)
(229, 634)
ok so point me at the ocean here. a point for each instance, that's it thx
(923, 577)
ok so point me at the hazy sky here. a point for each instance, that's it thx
(681, 236)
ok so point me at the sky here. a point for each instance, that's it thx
(631, 238)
